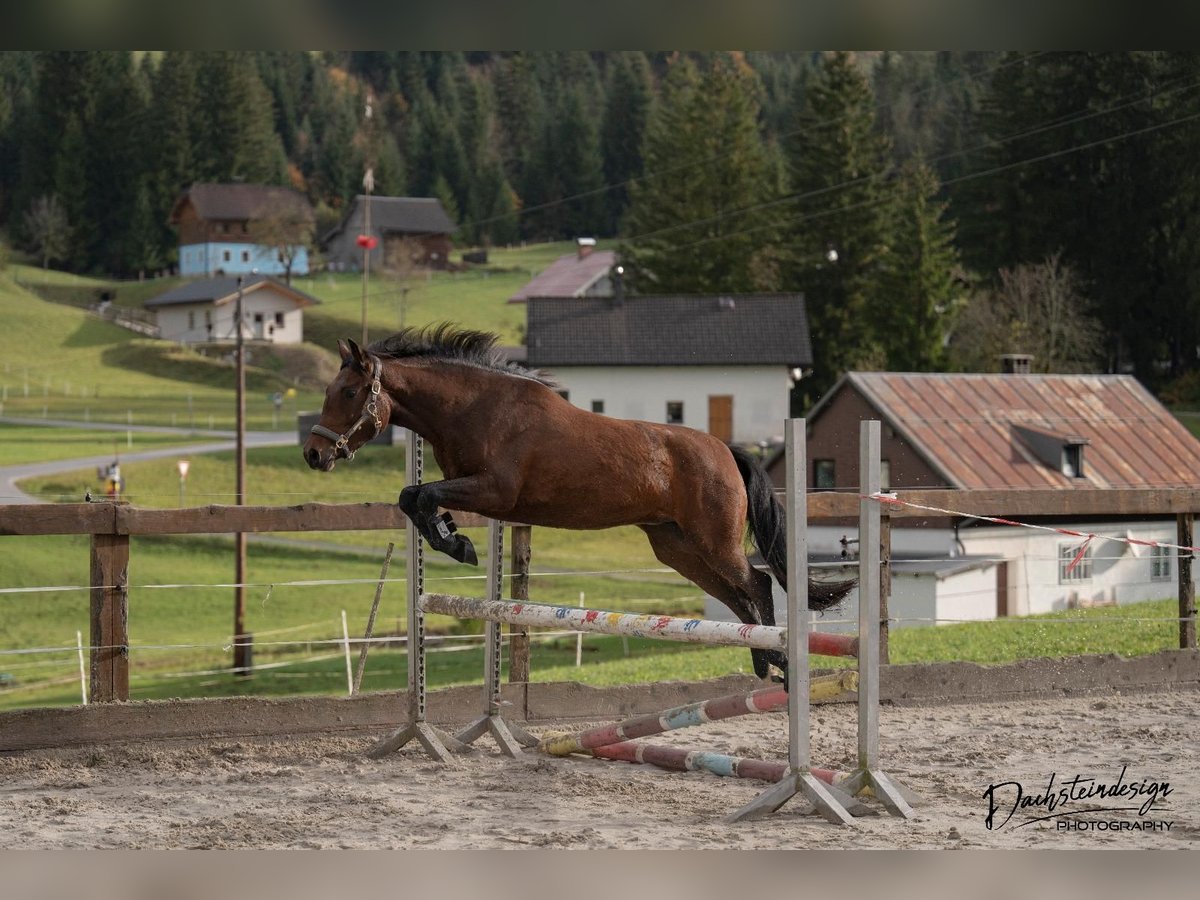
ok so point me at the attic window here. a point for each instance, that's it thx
(1072, 460)
(1060, 452)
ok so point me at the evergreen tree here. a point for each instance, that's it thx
(520, 108)
(626, 111)
(706, 164)
(920, 284)
(837, 228)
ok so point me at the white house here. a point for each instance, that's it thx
(724, 365)
(205, 311)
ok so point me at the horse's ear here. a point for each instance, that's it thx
(360, 357)
(343, 350)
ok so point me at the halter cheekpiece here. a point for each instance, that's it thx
(370, 413)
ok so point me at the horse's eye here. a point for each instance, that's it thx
(349, 393)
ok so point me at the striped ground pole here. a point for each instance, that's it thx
(823, 687)
(678, 759)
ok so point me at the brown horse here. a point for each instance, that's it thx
(513, 449)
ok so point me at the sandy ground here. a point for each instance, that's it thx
(325, 793)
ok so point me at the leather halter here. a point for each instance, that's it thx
(370, 413)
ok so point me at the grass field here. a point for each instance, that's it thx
(30, 443)
(319, 667)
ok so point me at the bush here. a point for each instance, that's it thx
(1183, 392)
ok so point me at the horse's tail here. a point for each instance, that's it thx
(768, 528)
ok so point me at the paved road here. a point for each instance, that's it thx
(10, 475)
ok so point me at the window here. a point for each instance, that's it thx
(674, 412)
(1160, 564)
(225, 255)
(245, 256)
(191, 319)
(566, 395)
(598, 406)
(279, 319)
(823, 474)
(258, 318)
(1072, 460)
(1083, 568)
(208, 317)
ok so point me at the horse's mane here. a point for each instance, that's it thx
(448, 342)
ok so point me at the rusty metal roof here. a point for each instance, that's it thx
(996, 431)
(568, 276)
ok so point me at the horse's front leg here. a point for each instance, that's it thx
(421, 503)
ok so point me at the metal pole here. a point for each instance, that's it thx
(827, 802)
(868, 596)
(368, 185)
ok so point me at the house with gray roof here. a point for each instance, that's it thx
(204, 311)
(720, 364)
(408, 231)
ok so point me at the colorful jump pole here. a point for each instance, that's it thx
(765, 700)
(678, 759)
(670, 628)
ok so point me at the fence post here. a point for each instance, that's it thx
(885, 582)
(518, 662)
(110, 618)
(1187, 586)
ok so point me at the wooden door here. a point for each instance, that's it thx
(1001, 590)
(720, 416)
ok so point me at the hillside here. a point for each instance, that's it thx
(78, 367)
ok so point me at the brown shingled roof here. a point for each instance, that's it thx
(993, 431)
(240, 202)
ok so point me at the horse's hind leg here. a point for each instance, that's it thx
(673, 548)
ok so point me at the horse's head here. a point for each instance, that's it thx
(355, 409)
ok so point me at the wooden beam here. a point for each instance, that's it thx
(107, 518)
(1053, 503)
(518, 653)
(58, 518)
(109, 618)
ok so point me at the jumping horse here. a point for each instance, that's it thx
(511, 448)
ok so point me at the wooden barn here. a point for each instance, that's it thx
(408, 231)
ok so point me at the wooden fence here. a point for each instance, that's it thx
(112, 524)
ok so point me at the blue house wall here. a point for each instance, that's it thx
(236, 259)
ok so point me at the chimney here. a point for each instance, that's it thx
(1016, 363)
(585, 246)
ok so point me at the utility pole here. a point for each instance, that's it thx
(241, 640)
(368, 186)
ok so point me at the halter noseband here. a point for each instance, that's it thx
(341, 448)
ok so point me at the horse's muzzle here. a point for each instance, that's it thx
(316, 461)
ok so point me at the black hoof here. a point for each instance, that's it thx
(463, 551)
